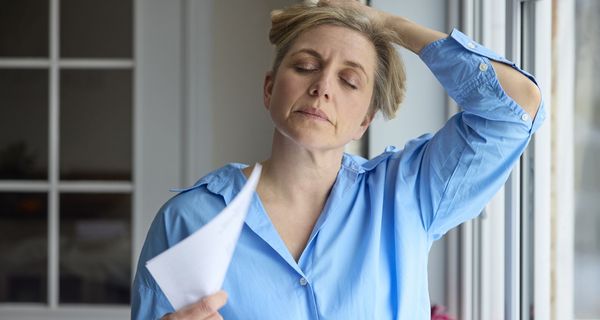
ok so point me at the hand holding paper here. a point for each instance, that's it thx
(196, 266)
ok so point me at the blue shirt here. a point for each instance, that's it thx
(366, 257)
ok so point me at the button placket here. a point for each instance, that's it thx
(303, 281)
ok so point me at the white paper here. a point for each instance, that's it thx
(196, 266)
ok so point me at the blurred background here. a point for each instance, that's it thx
(106, 104)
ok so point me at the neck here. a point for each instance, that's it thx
(295, 174)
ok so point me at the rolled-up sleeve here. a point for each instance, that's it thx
(467, 161)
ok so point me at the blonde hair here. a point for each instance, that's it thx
(390, 78)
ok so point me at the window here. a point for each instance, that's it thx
(159, 105)
(66, 152)
(587, 169)
(498, 264)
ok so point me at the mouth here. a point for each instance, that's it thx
(313, 113)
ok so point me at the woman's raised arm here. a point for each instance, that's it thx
(415, 37)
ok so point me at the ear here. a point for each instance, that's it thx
(364, 125)
(268, 89)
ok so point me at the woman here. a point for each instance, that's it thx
(334, 236)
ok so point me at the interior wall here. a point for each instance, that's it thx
(230, 55)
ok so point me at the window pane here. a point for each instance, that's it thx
(96, 130)
(95, 248)
(24, 247)
(587, 163)
(24, 28)
(23, 124)
(96, 28)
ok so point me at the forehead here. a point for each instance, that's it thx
(337, 42)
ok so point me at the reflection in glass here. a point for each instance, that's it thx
(587, 163)
(96, 28)
(23, 247)
(24, 28)
(95, 248)
(23, 124)
(96, 125)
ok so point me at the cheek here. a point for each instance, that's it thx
(359, 106)
(286, 89)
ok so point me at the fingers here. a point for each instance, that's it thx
(215, 301)
(215, 316)
(373, 14)
(186, 316)
(205, 309)
(340, 2)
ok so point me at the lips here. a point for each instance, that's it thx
(314, 113)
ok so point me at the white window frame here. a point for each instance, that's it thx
(487, 250)
(157, 104)
(561, 180)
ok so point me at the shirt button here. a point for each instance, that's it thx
(303, 281)
(483, 67)
(471, 45)
(525, 117)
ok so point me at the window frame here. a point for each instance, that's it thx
(157, 82)
(561, 180)
(53, 186)
(494, 280)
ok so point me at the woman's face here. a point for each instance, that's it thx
(321, 93)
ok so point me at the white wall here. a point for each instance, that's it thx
(229, 56)
(424, 107)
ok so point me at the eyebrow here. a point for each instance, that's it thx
(317, 55)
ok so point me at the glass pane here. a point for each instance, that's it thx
(95, 248)
(587, 168)
(24, 28)
(96, 28)
(95, 119)
(23, 124)
(24, 247)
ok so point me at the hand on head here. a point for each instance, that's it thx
(372, 13)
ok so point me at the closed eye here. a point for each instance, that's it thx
(305, 68)
(349, 83)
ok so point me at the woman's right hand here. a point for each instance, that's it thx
(205, 309)
(408, 34)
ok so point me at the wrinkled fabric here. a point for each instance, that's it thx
(367, 254)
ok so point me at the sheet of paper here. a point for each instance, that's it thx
(196, 266)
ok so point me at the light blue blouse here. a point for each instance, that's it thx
(367, 255)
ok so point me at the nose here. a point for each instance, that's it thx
(320, 87)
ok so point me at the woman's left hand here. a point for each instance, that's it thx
(406, 33)
(372, 13)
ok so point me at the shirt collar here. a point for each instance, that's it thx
(227, 181)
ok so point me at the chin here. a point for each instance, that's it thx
(311, 139)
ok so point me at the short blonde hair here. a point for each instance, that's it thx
(390, 78)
